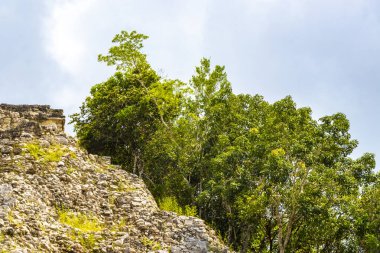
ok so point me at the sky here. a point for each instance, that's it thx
(325, 54)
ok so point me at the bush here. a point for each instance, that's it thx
(170, 204)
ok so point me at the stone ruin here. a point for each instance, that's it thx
(44, 172)
(38, 120)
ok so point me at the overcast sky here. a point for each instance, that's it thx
(324, 53)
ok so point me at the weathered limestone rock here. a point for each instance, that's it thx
(55, 197)
(16, 120)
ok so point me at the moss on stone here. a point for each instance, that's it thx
(80, 221)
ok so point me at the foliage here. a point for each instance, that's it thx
(123, 114)
(268, 176)
(368, 217)
(171, 204)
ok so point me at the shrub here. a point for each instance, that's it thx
(171, 204)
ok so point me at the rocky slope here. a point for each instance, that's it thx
(55, 197)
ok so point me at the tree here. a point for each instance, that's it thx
(304, 185)
(122, 114)
(268, 177)
(367, 217)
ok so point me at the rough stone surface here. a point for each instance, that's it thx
(24, 120)
(45, 175)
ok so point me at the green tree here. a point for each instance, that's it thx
(367, 217)
(268, 177)
(304, 184)
(122, 114)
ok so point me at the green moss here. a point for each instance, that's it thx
(85, 227)
(153, 245)
(123, 186)
(80, 221)
(2, 237)
(99, 169)
(12, 220)
(119, 227)
(10, 217)
(72, 154)
(53, 153)
(41, 226)
(17, 163)
(70, 170)
(87, 240)
(111, 199)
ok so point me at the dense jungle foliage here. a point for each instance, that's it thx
(268, 177)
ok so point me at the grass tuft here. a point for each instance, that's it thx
(79, 221)
(52, 154)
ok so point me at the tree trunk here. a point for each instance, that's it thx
(269, 236)
(280, 229)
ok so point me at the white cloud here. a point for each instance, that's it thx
(64, 33)
(76, 31)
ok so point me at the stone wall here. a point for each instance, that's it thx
(16, 120)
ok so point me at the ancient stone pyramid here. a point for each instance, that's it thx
(55, 197)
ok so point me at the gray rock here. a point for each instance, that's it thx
(61, 140)
(26, 135)
(44, 144)
(17, 151)
(6, 149)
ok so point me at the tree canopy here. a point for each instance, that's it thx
(268, 177)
